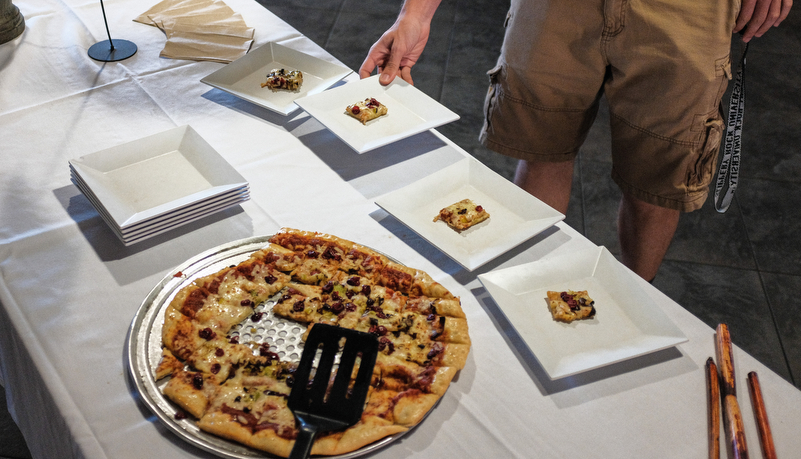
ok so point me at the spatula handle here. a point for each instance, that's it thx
(304, 440)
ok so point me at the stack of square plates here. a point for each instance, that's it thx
(151, 185)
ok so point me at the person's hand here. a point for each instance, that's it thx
(400, 46)
(757, 16)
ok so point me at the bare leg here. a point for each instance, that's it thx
(548, 181)
(645, 232)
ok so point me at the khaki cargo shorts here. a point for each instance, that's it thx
(662, 65)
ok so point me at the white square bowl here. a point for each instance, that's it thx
(410, 112)
(156, 175)
(244, 76)
(515, 215)
(627, 322)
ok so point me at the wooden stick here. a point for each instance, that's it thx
(765, 437)
(713, 408)
(732, 417)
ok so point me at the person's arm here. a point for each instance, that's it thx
(757, 16)
(400, 46)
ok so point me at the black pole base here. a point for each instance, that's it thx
(103, 51)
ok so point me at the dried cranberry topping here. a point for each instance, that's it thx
(354, 281)
(299, 306)
(337, 307)
(311, 254)
(256, 316)
(366, 290)
(270, 279)
(479, 209)
(216, 368)
(335, 296)
(385, 343)
(350, 307)
(355, 110)
(197, 381)
(349, 294)
(328, 287)
(246, 302)
(234, 340)
(370, 302)
(219, 352)
(207, 333)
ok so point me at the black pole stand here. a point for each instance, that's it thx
(108, 51)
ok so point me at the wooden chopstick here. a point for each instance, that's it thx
(732, 417)
(713, 408)
(765, 437)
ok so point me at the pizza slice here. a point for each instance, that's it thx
(568, 306)
(366, 110)
(284, 79)
(462, 215)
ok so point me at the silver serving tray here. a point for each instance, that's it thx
(144, 347)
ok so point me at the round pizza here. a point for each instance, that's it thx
(239, 390)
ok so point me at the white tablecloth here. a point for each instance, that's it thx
(69, 288)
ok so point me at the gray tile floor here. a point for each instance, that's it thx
(742, 268)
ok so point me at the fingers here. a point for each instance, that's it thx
(758, 16)
(406, 74)
(746, 11)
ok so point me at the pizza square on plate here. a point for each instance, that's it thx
(462, 215)
(568, 306)
(284, 79)
(239, 392)
(366, 110)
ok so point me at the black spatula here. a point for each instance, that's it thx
(321, 403)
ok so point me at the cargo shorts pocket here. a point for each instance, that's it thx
(490, 101)
(705, 154)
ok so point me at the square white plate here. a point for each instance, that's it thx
(155, 175)
(410, 111)
(627, 323)
(515, 216)
(244, 76)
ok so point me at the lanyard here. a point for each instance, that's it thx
(729, 171)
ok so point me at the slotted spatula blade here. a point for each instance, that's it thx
(319, 403)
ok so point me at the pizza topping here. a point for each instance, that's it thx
(197, 381)
(215, 368)
(246, 302)
(219, 352)
(180, 415)
(270, 279)
(355, 109)
(207, 334)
